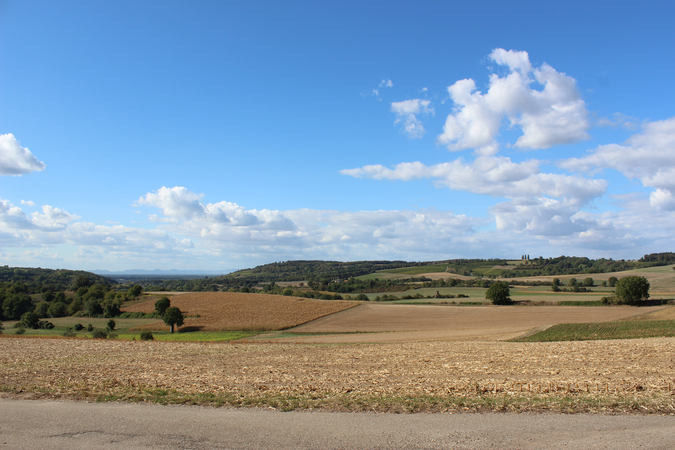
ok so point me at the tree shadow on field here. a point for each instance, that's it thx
(190, 329)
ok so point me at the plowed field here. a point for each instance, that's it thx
(225, 311)
(405, 323)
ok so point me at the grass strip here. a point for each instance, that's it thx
(350, 402)
(602, 331)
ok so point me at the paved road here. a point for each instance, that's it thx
(31, 424)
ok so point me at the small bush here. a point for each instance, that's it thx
(79, 327)
(90, 327)
(99, 334)
(147, 336)
(49, 326)
(110, 326)
(20, 331)
(69, 333)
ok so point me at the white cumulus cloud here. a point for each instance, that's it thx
(491, 175)
(648, 156)
(15, 159)
(552, 115)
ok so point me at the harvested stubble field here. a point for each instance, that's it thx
(619, 376)
(228, 311)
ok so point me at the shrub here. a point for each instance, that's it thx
(79, 327)
(99, 334)
(20, 331)
(147, 336)
(68, 333)
(110, 326)
(90, 327)
(29, 320)
(48, 325)
(288, 292)
(362, 297)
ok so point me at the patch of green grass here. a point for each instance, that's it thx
(600, 331)
(194, 336)
(419, 269)
(473, 293)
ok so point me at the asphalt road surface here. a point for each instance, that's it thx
(31, 424)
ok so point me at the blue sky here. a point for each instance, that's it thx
(222, 135)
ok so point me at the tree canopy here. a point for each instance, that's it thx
(632, 289)
(173, 316)
(499, 293)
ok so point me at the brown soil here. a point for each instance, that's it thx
(219, 311)
(402, 323)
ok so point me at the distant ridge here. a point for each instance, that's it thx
(160, 272)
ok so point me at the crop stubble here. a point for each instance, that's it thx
(642, 369)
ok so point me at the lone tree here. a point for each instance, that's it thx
(555, 285)
(162, 305)
(172, 317)
(499, 293)
(632, 290)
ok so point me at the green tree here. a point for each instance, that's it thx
(41, 309)
(135, 290)
(162, 305)
(173, 316)
(573, 282)
(57, 309)
(612, 281)
(110, 326)
(632, 290)
(15, 305)
(555, 285)
(29, 320)
(81, 281)
(93, 308)
(499, 293)
(588, 281)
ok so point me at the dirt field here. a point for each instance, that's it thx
(403, 323)
(224, 311)
(363, 376)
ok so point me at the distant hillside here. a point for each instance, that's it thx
(323, 273)
(50, 279)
